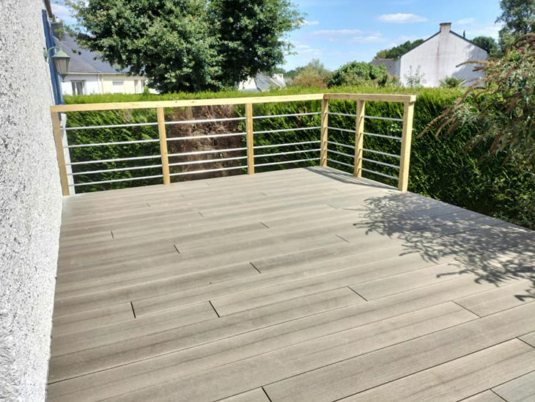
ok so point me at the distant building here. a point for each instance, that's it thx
(262, 83)
(437, 58)
(89, 74)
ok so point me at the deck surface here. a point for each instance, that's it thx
(299, 285)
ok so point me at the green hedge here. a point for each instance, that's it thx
(441, 168)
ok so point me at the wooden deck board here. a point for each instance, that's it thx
(306, 284)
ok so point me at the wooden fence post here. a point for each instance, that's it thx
(359, 138)
(56, 127)
(406, 141)
(324, 132)
(163, 146)
(250, 137)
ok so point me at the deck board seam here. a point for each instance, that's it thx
(467, 309)
(211, 304)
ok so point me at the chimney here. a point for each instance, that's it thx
(445, 28)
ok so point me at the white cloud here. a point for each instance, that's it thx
(368, 39)
(336, 33)
(466, 21)
(310, 23)
(401, 18)
(492, 30)
(63, 13)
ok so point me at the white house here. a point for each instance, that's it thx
(437, 58)
(89, 74)
(262, 83)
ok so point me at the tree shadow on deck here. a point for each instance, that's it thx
(492, 250)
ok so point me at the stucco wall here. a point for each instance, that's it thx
(439, 57)
(30, 204)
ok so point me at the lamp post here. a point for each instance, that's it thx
(61, 61)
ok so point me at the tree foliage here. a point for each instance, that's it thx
(518, 17)
(314, 74)
(398, 51)
(359, 73)
(487, 43)
(501, 107)
(188, 45)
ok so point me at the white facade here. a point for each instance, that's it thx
(440, 57)
(90, 84)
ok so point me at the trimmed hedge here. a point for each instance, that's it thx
(441, 167)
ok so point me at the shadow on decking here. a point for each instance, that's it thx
(488, 248)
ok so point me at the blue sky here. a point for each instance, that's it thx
(339, 31)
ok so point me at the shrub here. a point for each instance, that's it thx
(452, 82)
(359, 74)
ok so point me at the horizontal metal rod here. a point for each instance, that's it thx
(204, 120)
(381, 153)
(118, 180)
(286, 115)
(207, 161)
(287, 153)
(380, 174)
(111, 126)
(341, 153)
(103, 144)
(136, 158)
(115, 170)
(340, 145)
(286, 162)
(286, 145)
(208, 171)
(383, 136)
(287, 130)
(214, 151)
(205, 136)
(380, 163)
(343, 129)
(342, 114)
(383, 118)
(340, 163)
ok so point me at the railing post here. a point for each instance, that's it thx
(359, 138)
(250, 137)
(324, 131)
(163, 146)
(56, 127)
(408, 117)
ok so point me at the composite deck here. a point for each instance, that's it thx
(299, 285)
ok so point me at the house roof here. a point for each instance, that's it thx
(84, 61)
(438, 33)
(265, 83)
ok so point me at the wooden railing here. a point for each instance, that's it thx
(358, 156)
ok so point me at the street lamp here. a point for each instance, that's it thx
(61, 61)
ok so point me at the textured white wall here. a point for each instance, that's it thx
(30, 204)
(439, 57)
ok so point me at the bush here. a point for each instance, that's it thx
(358, 74)
(452, 82)
(314, 75)
(441, 167)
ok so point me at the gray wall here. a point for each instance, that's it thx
(30, 203)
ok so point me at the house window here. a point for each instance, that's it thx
(78, 87)
(117, 87)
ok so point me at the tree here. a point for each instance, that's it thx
(314, 74)
(398, 51)
(501, 107)
(487, 43)
(187, 45)
(359, 73)
(519, 19)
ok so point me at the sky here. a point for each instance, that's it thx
(340, 31)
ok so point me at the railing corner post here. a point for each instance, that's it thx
(58, 140)
(250, 137)
(406, 141)
(163, 146)
(359, 138)
(324, 131)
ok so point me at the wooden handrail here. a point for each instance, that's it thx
(361, 99)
